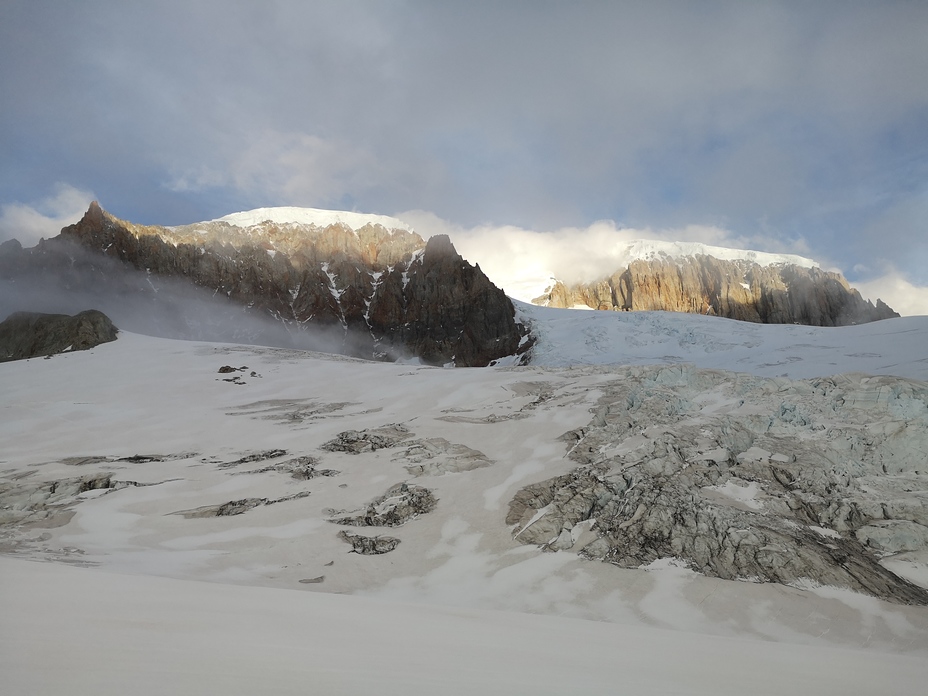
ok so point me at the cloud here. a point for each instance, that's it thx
(30, 222)
(895, 289)
(523, 261)
(292, 168)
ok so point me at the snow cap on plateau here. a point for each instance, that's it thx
(311, 216)
(650, 249)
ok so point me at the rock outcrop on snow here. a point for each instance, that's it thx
(394, 508)
(780, 293)
(32, 334)
(45, 504)
(369, 292)
(358, 441)
(369, 546)
(764, 480)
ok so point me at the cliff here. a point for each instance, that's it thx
(779, 293)
(372, 292)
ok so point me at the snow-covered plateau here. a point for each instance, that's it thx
(193, 517)
(310, 216)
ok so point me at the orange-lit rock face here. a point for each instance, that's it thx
(737, 289)
(389, 292)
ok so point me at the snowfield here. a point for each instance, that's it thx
(311, 216)
(890, 347)
(167, 527)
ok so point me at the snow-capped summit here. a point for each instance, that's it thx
(311, 216)
(654, 250)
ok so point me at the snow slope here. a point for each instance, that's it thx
(145, 635)
(446, 611)
(568, 337)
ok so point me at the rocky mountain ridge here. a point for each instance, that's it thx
(737, 288)
(376, 292)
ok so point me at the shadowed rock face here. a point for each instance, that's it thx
(736, 289)
(29, 334)
(372, 292)
(442, 309)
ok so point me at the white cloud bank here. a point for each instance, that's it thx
(45, 218)
(898, 292)
(523, 262)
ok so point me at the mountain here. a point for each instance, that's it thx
(370, 290)
(701, 279)
(207, 511)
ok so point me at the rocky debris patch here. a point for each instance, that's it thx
(31, 502)
(301, 468)
(491, 418)
(745, 478)
(255, 457)
(436, 456)
(358, 441)
(312, 581)
(369, 546)
(83, 461)
(293, 411)
(236, 507)
(26, 335)
(131, 459)
(394, 508)
(236, 379)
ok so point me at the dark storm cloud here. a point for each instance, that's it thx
(801, 122)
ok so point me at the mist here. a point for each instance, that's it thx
(62, 278)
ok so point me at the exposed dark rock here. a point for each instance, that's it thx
(256, 457)
(233, 507)
(29, 334)
(226, 369)
(142, 458)
(369, 546)
(736, 289)
(443, 310)
(301, 468)
(394, 508)
(236, 507)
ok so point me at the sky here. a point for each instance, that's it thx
(779, 126)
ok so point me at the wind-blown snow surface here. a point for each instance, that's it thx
(272, 618)
(78, 632)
